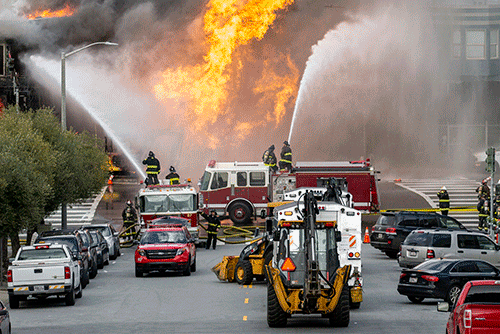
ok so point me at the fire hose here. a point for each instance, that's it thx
(244, 232)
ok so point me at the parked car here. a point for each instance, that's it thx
(166, 249)
(443, 278)
(42, 270)
(75, 243)
(422, 245)
(109, 233)
(392, 228)
(88, 241)
(477, 309)
(102, 249)
(5, 325)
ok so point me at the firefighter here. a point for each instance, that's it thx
(483, 209)
(444, 200)
(173, 177)
(286, 157)
(129, 216)
(269, 159)
(153, 169)
(213, 227)
(483, 190)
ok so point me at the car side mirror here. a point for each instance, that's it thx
(443, 307)
(338, 236)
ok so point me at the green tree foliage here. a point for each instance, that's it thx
(42, 167)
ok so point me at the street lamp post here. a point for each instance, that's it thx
(64, 213)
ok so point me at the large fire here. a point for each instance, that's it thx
(204, 89)
(46, 13)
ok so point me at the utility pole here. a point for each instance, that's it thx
(490, 167)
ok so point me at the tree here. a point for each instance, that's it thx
(42, 167)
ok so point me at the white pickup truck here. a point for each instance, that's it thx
(44, 270)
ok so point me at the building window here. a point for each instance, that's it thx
(455, 51)
(476, 40)
(494, 44)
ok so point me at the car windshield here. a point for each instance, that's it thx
(438, 265)
(43, 253)
(484, 294)
(85, 239)
(105, 230)
(163, 237)
(95, 240)
(168, 203)
(386, 220)
(418, 239)
(70, 242)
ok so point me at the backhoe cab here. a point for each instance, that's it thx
(305, 275)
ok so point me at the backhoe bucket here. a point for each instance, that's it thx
(225, 269)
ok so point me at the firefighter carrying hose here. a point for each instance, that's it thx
(213, 227)
(483, 209)
(153, 169)
(444, 200)
(129, 216)
(269, 159)
(172, 177)
(286, 157)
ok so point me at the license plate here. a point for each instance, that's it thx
(412, 254)
(413, 279)
(39, 288)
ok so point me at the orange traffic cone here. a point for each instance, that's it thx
(367, 237)
(110, 180)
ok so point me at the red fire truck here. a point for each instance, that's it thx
(161, 200)
(243, 189)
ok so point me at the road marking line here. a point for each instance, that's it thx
(245, 318)
(250, 286)
(244, 286)
(246, 300)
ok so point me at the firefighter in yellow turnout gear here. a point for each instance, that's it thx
(444, 201)
(213, 227)
(269, 159)
(286, 157)
(172, 177)
(153, 169)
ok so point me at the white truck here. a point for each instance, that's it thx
(43, 270)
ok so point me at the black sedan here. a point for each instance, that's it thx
(443, 278)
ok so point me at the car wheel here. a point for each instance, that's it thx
(193, 266)
(138, 272)
(80, 292)
(70, 297)
(416, 300)
(187, 271)
(106, 263)
(243, 272)
(115, 253)
(93, 272)
(100, 265)
(240, 213)
(13, 301)
(453, 294)
(392, 254)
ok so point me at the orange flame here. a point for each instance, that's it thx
(66, 11)
(204, 88)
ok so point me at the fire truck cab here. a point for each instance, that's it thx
(243, 189)
(161, 200)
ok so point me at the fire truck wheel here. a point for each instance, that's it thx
(243, 272)
(340, 315)
(240, 213)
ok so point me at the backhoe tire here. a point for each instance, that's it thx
(276, 317)
(340, 315)
(240, 213)
(243, 272)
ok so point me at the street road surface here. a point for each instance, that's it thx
(118, 302)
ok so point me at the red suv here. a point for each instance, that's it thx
(166, 249)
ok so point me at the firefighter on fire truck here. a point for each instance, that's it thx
(269, 159)
(152, 170)
(213, 227)
(173, 177)
(129, 216)
(286, 157)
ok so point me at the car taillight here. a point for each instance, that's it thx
(67, 273)
(373, 229)
(402, 275)
(9, 276)
(430, 278)
(430, 254)
(468, 319)
(390, 230)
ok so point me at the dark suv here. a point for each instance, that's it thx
(75, 243)
(92, 250)
(392, 228)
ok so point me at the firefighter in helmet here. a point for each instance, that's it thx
(483, 190)
(286, 157)
(129, 216)
(483, 209)
(153, 168)
(444, 200)
(172, 177)
(213, 228)
(269, 159)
